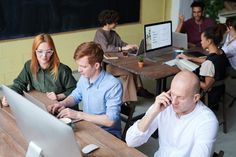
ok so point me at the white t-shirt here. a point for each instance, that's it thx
(229, 48)
(191, 135)
(207, 69)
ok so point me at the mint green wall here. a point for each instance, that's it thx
(14, 53)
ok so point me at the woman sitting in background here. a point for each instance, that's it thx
(229, 46)
(110, 41)
(213, 67)
(44, 72)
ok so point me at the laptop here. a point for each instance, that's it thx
(139, 51)
(180, 40)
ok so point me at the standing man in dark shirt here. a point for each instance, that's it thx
(195, 25)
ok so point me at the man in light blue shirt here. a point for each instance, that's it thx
(100, 92)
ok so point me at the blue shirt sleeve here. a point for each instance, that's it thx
(77, 92)
(113, 101)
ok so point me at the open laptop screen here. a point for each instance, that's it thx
(157, 35)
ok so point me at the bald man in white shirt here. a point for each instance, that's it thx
(186, 127)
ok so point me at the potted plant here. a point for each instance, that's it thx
(140, 61)
(212, 8)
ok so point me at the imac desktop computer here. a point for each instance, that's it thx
(47, 136)
(157, 38)
(160, 40)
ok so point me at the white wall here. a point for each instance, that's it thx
(180, 7)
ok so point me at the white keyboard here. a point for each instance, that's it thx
(186, 64)
(183, 64)
(171, 62)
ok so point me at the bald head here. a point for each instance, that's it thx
(187, 80)
(184, 92)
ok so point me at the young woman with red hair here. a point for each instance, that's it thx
(44, 72)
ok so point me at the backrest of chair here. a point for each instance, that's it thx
(232, 75)
(126, 109)
(213, 101)
(231, 72)
(206, 92)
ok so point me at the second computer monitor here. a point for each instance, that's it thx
(157, 35)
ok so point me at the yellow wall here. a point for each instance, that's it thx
(14, 53)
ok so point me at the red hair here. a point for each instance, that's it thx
(90, 49)
(54, 60)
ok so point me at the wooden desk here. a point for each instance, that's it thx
(153, 70)
(12, 142)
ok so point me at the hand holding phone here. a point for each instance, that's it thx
(162, 101)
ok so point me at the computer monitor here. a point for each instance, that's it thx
(180, 40)
(47, 136)
(157, 35)
(35, 101)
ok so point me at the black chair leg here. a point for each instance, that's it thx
(155, 134)
(224, 116)
(129, 111)
(232, 102)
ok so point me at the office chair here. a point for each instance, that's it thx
(127, 111)
(220, 103)
(220, 154)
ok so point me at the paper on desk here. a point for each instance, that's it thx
(110, 56)
(171, 62)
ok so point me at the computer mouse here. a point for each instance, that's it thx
(67, 121)
(89, 148)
